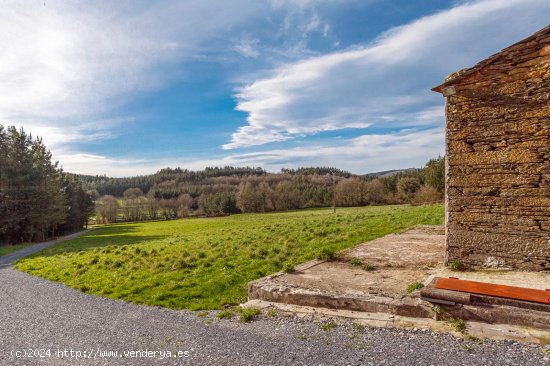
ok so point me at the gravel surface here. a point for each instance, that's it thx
(40, 314)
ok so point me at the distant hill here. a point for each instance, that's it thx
(390, 173)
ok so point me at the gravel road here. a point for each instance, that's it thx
(38, 314)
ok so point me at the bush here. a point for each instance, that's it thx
(407, 187)
(426, 195)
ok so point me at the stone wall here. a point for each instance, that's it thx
(498, 161)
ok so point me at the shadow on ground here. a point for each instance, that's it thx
(111, 236)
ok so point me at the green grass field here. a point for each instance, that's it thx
(207, 263)
(7, 249)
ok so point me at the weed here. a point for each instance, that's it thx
(202, 314)
(456, 265)
(225, 314)
(301, 336)
(458, 325)
(414, 286)
(358, 326)
(355, 262)
(369, 267)
(272, 313)
(327, 326)
(248, 314)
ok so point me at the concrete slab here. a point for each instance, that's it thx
(413, 256)
(475, 329)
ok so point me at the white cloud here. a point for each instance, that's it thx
(363, 154)
(247, 47)
(65, 66)
(386, 83)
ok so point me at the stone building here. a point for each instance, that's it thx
(498, 159)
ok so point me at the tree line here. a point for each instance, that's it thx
(174, 193)
(38, 200)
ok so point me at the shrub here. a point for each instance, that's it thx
(426, 195)
(407, 187)
(414, 286)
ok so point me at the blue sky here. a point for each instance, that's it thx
(129, 87)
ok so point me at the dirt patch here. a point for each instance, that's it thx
(398, 260)
(423, 246)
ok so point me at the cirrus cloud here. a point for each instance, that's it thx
(385, 83)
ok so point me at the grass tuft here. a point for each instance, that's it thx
(327, 326)
(248, 314)
(456, 265)
(369, 267)
(289, 268)
(327, 254)
(225, 314)
(414, 286)
(458, 325)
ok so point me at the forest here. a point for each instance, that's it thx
(38, 200)
(175, 193)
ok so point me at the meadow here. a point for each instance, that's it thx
(206, 263)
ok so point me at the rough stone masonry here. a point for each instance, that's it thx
(498, 159)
